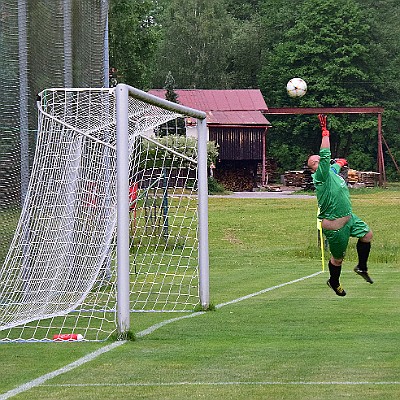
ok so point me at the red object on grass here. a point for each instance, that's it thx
(67, 336)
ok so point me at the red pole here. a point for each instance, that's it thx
(264, 158)
(381, 163)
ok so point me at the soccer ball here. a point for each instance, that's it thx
(296, 87)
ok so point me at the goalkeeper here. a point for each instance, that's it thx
(335, 212)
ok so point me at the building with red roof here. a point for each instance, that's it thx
(236, 122)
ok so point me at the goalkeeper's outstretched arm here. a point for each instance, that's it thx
(313, 161)
(325, 142)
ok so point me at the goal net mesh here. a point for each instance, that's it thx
(59, 276)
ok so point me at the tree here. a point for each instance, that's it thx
(196, 35)
(346, 50)
(328, 45)
(385, 50)
(176, 126)
(169, 87)
(243, 10)
(245, 55)
(133, 36)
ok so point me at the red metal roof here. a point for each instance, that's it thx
(236, 118)
(224, 107)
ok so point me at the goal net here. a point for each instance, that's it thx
(114, 221)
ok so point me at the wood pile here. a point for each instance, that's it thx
(368, 178)
(352, 176)
(363, 178)
(271, 173)
(236, 179)
(242, 177)
(299, 179)
(307, 180)
(294, 178)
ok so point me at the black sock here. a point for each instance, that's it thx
(334, 271)
(363, 249)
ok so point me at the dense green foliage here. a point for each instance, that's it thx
(195, 38)
(346, 50)
(133, 37)
(182, 145)
(328, 46)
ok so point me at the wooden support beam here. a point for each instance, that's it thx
(324, 110)
(341, 110)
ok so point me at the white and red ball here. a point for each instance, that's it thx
(296, 87)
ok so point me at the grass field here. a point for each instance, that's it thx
(278, 331)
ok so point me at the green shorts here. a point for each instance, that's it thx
(338, 240)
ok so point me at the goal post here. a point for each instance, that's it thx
(115, 219)
(122, 123)
(122, 95)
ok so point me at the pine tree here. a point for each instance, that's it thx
(169, 87)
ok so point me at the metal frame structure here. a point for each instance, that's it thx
(122, 95)
(342, 110)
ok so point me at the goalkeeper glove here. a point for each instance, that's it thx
(323, 122)
(341, 161)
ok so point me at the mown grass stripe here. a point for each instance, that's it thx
(236, 383)
(89, 357)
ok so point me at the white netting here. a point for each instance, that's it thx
(59, 275)
(42, 43)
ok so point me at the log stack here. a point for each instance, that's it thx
(369, 178)
(352, 176)
(236, 179)
(294, 178)
(271, 173)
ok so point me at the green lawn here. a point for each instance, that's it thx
(295, 341)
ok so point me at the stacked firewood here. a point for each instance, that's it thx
(271, 174)
(352, 176)
(363, 178)
(368, 178)
(236, 179)
(294, 178)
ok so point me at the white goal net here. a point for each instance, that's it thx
(62, 274)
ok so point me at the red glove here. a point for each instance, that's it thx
(341, 161)
(323, 121)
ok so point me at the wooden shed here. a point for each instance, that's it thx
(236, 122)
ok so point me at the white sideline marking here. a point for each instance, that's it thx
(151, 329)
(267, 290)
(266, 383)
(89, 357)
(67, 368)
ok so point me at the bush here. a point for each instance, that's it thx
(214, 187)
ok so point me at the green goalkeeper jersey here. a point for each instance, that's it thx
(332, 193)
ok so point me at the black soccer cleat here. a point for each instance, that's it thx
(337, 289)
(364, 274)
